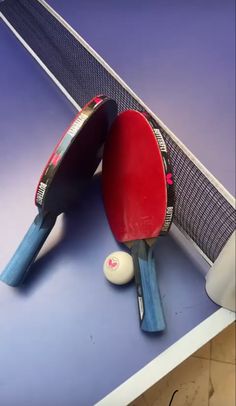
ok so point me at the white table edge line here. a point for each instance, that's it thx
(40, 62)
(169, 359)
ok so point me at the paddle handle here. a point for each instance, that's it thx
(148, 294)
(16, 270)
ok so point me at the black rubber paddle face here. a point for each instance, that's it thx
(76, 157)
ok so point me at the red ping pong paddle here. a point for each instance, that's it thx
(71, 165)
(138, 199)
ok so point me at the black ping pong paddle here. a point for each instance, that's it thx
(72, 163)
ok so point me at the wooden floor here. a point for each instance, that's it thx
(205, 379)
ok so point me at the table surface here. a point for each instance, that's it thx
(68, 336)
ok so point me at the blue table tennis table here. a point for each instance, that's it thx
(67, 336)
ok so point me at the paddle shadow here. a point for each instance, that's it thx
(77, 226)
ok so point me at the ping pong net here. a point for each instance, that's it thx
(204, 210)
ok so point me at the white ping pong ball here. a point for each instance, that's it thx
(118, 268)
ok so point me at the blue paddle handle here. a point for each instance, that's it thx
(149, 299)
(154, 319)
(17, 268)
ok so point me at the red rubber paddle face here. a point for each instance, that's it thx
(134, 180)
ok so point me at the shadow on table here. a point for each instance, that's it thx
(77, 225)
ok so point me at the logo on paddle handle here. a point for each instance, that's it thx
(113, 263)
(169, 179)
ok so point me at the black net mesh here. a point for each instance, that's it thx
(201, 211)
